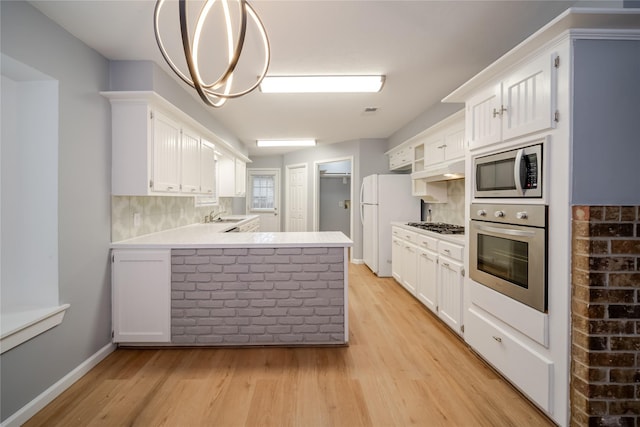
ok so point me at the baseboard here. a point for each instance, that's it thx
(357, 261)
(43, 399)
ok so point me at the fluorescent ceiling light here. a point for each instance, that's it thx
(321, 84)
(286, 142)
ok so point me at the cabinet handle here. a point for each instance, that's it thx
(442, 146)
(499, 112)
(445, 264)
(169, 188)
(446, 250)
(497, 338)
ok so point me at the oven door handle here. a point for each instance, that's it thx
(506, 231)
(516, 171)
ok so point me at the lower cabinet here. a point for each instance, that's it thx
(432, 270)
(531, 372)
(141, 287)
(252, 226)
(450, 282)
(427, 289)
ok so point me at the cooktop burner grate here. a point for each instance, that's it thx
(438, 227)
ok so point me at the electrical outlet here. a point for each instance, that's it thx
(136, 219)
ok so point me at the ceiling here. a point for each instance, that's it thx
(426, 49)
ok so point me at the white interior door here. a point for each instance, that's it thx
(263, 197)
(296, 198)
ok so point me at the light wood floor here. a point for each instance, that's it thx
(402, 367)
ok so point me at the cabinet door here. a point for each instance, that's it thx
(528, 98)
(454, 144)
(450, 292)
(166, 154)
(483, 117)
(241, 178)
(397, 248)
(207, 168)
(141, 286)
(434, 151)
(410, 267)
(190, 162)
(427, 278)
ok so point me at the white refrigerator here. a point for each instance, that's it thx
(383, 199)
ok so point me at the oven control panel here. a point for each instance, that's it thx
(532, 215)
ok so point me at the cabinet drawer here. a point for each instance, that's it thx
(450, 250)
(409, 236)
(396, 232)
(426, 242)
(526, 369)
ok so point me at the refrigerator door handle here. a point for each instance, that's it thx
(361, 203)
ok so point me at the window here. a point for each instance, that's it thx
(262, 192)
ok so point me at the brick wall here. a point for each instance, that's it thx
(257, 296)
(605, 347)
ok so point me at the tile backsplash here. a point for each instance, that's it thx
(157, 213)
(451, 212)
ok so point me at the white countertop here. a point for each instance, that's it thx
(453, 238)
(212, 235)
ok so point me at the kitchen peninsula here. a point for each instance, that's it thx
(200, 286)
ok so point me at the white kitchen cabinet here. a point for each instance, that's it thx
(523, 102)
(432, 270)
(400, 158)
(527, 369)
(447, 146)
(427, 289)
(409, 266)
(404, 253)
(232, 176)
(207, 168)
(252, 226)
(396, 258)
(165, 144)
(450, 283)
(141, 287)
(190, 151)
(155, 151)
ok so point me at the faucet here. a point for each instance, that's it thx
(211, 217)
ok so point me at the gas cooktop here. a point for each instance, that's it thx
(438, 227)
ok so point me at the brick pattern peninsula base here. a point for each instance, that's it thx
(258, 296)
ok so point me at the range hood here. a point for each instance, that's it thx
(441, 172)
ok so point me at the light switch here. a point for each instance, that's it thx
(136, 219)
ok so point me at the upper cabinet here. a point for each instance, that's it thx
(156, 150)
(523, 102)
(232, 174)
(400, 158)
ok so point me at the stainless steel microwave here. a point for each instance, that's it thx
(513, 174)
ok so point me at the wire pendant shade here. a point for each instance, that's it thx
(214, 93)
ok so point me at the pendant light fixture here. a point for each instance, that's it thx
(214, 93)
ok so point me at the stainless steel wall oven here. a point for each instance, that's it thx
(508, 251)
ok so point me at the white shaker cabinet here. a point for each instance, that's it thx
(156, 149)
(427, 289)
(207, 168)
(165, 145)
(450, 283)
(232, 174)
(141, 287)
(523, 102)
(190, 152)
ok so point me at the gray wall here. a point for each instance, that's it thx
(333, 214)
(606, 141)
(83, 200)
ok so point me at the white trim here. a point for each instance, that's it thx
(43, 399)
(21, 325)
(316, 191)
(357, 261)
